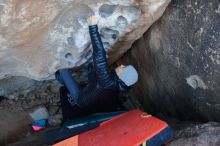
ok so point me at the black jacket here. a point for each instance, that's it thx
(104, 85)
(101, 93)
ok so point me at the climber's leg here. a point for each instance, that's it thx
(66, 79)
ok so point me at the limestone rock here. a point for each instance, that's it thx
(178, 62)
(38, 37)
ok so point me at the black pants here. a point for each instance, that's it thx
(69, 111)
(70, 90)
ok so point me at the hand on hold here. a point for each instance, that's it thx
(92, 20)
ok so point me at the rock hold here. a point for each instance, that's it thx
(39, 37)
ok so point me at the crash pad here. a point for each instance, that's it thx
(132, 128)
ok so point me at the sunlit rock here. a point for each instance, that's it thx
(38, 37)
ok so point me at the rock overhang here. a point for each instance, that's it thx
(39, 37)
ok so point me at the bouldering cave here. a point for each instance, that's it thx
(173, 44)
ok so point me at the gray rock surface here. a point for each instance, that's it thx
(38, 37)
(15, 112)
(13, 87)
(179, 62)
(198, 135)
(39, 113)
(14, 125)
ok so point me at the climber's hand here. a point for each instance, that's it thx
(92, 20)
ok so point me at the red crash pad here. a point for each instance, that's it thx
(129, 129)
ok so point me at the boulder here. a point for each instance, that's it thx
(14, 125)
(198, 135)
(38, 37)
(14, 88)
(178, 60)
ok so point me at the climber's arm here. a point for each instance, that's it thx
(99, 57)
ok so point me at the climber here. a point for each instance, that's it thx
(101, 92)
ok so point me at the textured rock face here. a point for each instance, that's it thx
(13, 128)
(198, 135)
(37, 37)
(178, 61)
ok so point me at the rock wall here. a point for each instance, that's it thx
(197, 134)
(179, 62)
(38, 37)
(13, 87)
(14, 125)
